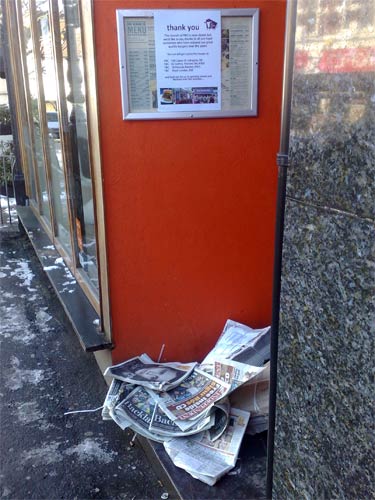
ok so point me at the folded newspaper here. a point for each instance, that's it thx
(199, 412)
(157, 376)
(209, 460)
(235, 341)
(118, 390)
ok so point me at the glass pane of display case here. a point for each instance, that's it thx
(75, 93)
(52, 119)
(31, 85)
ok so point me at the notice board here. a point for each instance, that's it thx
(188, 63)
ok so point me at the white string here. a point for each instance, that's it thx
(84, 411)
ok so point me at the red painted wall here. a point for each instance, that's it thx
(190, 205)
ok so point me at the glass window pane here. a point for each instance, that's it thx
(50, 108)
(29, 155)
(32, 88)
(77, 116)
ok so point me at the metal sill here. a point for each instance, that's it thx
(83, 317)
(247, 480)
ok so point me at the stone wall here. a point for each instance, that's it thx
(324, 441)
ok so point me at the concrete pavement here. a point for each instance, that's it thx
(44, 373)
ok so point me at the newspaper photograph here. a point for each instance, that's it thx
(209, 460)
(191, 398)
(234, 339)
(118, 390)
(156, 376)
(136, 412)
(233, 372)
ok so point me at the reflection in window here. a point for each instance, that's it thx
(32, 87)
(52, 119)
(360, 14)
(76, 110)
(27, 144)
(331, 17)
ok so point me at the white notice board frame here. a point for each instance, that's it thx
(232, 106)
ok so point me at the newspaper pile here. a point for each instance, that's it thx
(199, 412)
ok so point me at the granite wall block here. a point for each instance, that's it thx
(324, 445)
(324, 435)
(333, 141)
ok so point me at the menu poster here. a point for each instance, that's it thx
(188, 60)
(236, 63)
(140, 61)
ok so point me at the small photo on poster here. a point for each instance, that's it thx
(190, 95)
(167, 96)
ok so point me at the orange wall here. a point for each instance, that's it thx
(190, 205)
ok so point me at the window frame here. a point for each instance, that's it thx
(99, 298)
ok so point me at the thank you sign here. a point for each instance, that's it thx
(188, 59)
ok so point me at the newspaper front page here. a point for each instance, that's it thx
(195, 395)
(155, 376)
(209, 460)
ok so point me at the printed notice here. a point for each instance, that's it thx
(188, 60)
(140, 59)
(236, 62)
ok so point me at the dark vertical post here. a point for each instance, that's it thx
(283, 163)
